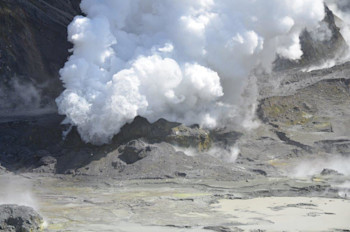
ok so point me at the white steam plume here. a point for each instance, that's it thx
(182, 60)
(229, 154)
(315, 166)
(16, 190)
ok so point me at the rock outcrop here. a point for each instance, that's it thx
(313, 109)
(14, 218)
(165, 131)
(140, 160)
(318, 46)
(36, 145)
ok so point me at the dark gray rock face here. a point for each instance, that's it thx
(135, 150)
(141, 150)
(339, 146)
(317, 50)
(140, 160)
(14, 218)
(26, 141)
(165, 131)
(33, 47)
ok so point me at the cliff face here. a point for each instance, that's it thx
(33, 47)
(319, 46)
(318, 50)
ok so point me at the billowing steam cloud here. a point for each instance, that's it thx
(182, 60)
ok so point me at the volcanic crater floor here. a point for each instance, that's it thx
(290, 174)
(263, 204)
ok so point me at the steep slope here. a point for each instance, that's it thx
(324, 44)
(33, 47)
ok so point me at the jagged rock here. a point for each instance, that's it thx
(165, 131)
(134, 151)
(14, 218)
(317, 50)
(190, 136)
(176, 134)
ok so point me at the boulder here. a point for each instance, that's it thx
(134, 151)
(14, 218)
(190, 137)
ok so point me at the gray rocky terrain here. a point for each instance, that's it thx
(15, 218)
(165, 176)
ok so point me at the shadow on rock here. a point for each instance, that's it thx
(141, 149)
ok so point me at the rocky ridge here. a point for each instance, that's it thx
(324, 44)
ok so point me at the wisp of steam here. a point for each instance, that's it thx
(182, 60)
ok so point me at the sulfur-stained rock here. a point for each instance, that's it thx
(320, 107)
(14, 218)
(190, 137)
(165, 131)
